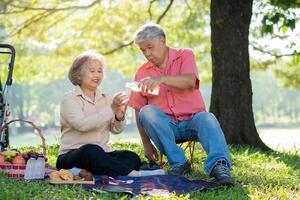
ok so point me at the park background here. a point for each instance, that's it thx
(48, 38)
(276, 109)
(48, 35)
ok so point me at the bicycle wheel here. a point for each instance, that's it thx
(4, 134)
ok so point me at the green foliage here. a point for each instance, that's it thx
(47, 39)
(258, 175)
(276, 16)
(49, 34)
(290, 73)
(276, 39)
(271, 19)
(285, 4)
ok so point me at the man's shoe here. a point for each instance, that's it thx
(145, 166)
(221, 173)
(152, 165)
(184, 169)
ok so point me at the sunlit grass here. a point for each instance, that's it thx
(258, 175)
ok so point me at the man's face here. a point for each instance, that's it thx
(154, 50)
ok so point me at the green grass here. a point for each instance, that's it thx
(258, 175)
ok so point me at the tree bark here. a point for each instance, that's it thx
(231, 99)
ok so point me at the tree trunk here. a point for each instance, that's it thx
(231, 99)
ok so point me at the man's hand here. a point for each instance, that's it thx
(150, 83)
(182, 81)
(150, 152)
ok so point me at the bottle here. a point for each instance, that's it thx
(134, 86)
(35, 168)
(29, 169)
(40, 167)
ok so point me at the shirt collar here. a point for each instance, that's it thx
(79, 92)
(173, 55)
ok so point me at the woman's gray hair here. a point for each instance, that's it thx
(77, 66)
(149, 31)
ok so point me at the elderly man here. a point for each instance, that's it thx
(178, 111)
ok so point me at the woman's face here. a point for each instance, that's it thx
(92, 74)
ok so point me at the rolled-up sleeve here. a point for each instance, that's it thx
(71, 112)
(189, 65)
(137, 101)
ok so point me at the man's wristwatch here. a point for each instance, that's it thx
(119, 120)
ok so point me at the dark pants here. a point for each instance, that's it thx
(94, 159)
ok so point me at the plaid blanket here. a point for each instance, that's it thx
(149, 185)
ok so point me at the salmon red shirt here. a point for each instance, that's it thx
(180, 104)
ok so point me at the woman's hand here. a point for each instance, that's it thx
(119, 104)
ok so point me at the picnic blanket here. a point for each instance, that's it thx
(149, 185)
(161, 185)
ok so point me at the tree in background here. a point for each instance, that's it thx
(48, 36)
(41, 30)
(231, 98)
(61, 30)
(275, 22)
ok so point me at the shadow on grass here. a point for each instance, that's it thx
(292, 159)
(234, 192)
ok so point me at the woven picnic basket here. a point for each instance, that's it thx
(16, 170)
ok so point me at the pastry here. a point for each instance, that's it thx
(55, 176)
(65, 174)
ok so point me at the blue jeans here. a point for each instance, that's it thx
(202, 126)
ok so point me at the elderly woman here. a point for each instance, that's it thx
(87, 117)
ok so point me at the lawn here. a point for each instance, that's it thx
(258, 175)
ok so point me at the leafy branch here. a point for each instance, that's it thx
(149, 9)
(46, 12)
(27, 8)
(31, 21)
(165, 12)
(40, 16)
(271, 53)
(150, 16)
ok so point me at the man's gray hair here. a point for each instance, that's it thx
(149, 31)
